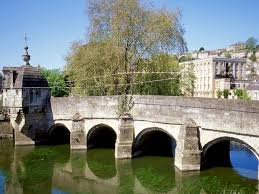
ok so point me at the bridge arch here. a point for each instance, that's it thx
(101, 136)
(154, 141)
(217, 151)
(228, 138)
(59, 134)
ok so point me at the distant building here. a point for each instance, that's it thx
(208, 54)
(253, 90)
(1, 82)
(239, 54)
(1, 86)
(213, 74)
(237, 47)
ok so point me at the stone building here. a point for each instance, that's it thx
(26, 96)
(206, 54)
(253, 90)
(213, 74)
(237, 47)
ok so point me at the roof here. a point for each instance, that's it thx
(216, 59)
(27, 76)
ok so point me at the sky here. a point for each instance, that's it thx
(52, 26)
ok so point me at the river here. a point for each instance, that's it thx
(57, 170)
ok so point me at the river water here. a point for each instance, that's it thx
(56, 170)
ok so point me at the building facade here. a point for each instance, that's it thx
(213, 74)
(253, 90)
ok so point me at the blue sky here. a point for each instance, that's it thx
(52, 25)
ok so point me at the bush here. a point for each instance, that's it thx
(219, 93)
(226, 93)
(242, 94)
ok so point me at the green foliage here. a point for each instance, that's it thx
(253, 57)
(251, 43)
(187, 81)
(56, 81)
(125, 104)
(242, 94)
(201, 49)
(171, 81)
(185, 58)
(227, 54)
(127, 36)
(226, 93)
(219, 93)
(93, 68)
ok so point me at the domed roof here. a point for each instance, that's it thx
(28, 76)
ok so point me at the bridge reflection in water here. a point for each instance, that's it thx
(55, 169)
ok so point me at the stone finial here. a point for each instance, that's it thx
(26, 57)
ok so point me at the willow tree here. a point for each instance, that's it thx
(123, 34)
(127, 31)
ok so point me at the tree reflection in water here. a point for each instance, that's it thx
(46, 169)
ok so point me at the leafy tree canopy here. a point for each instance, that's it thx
(201, 49)
(57, 82)
(242, 94)
(251, 43)
(127, 36)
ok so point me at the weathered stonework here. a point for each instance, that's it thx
(123, 147)
(218, 119)
(26, 96)
(22, 134)
(77, 136)
(6, 130)
(188, 150)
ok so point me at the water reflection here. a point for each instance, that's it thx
(56, 170)
(2, 182)
(153, 175)
(243, 161)
(102, 165)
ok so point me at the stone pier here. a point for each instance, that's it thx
(123, 147)
(77, 136)
(188, 150)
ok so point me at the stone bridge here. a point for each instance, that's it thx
(198, 126)
(201, 129)
(196, 132)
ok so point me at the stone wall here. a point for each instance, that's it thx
(232, 116)
(195, 123)
(6, 130)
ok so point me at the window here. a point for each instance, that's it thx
(31, 95)
(15, 74)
